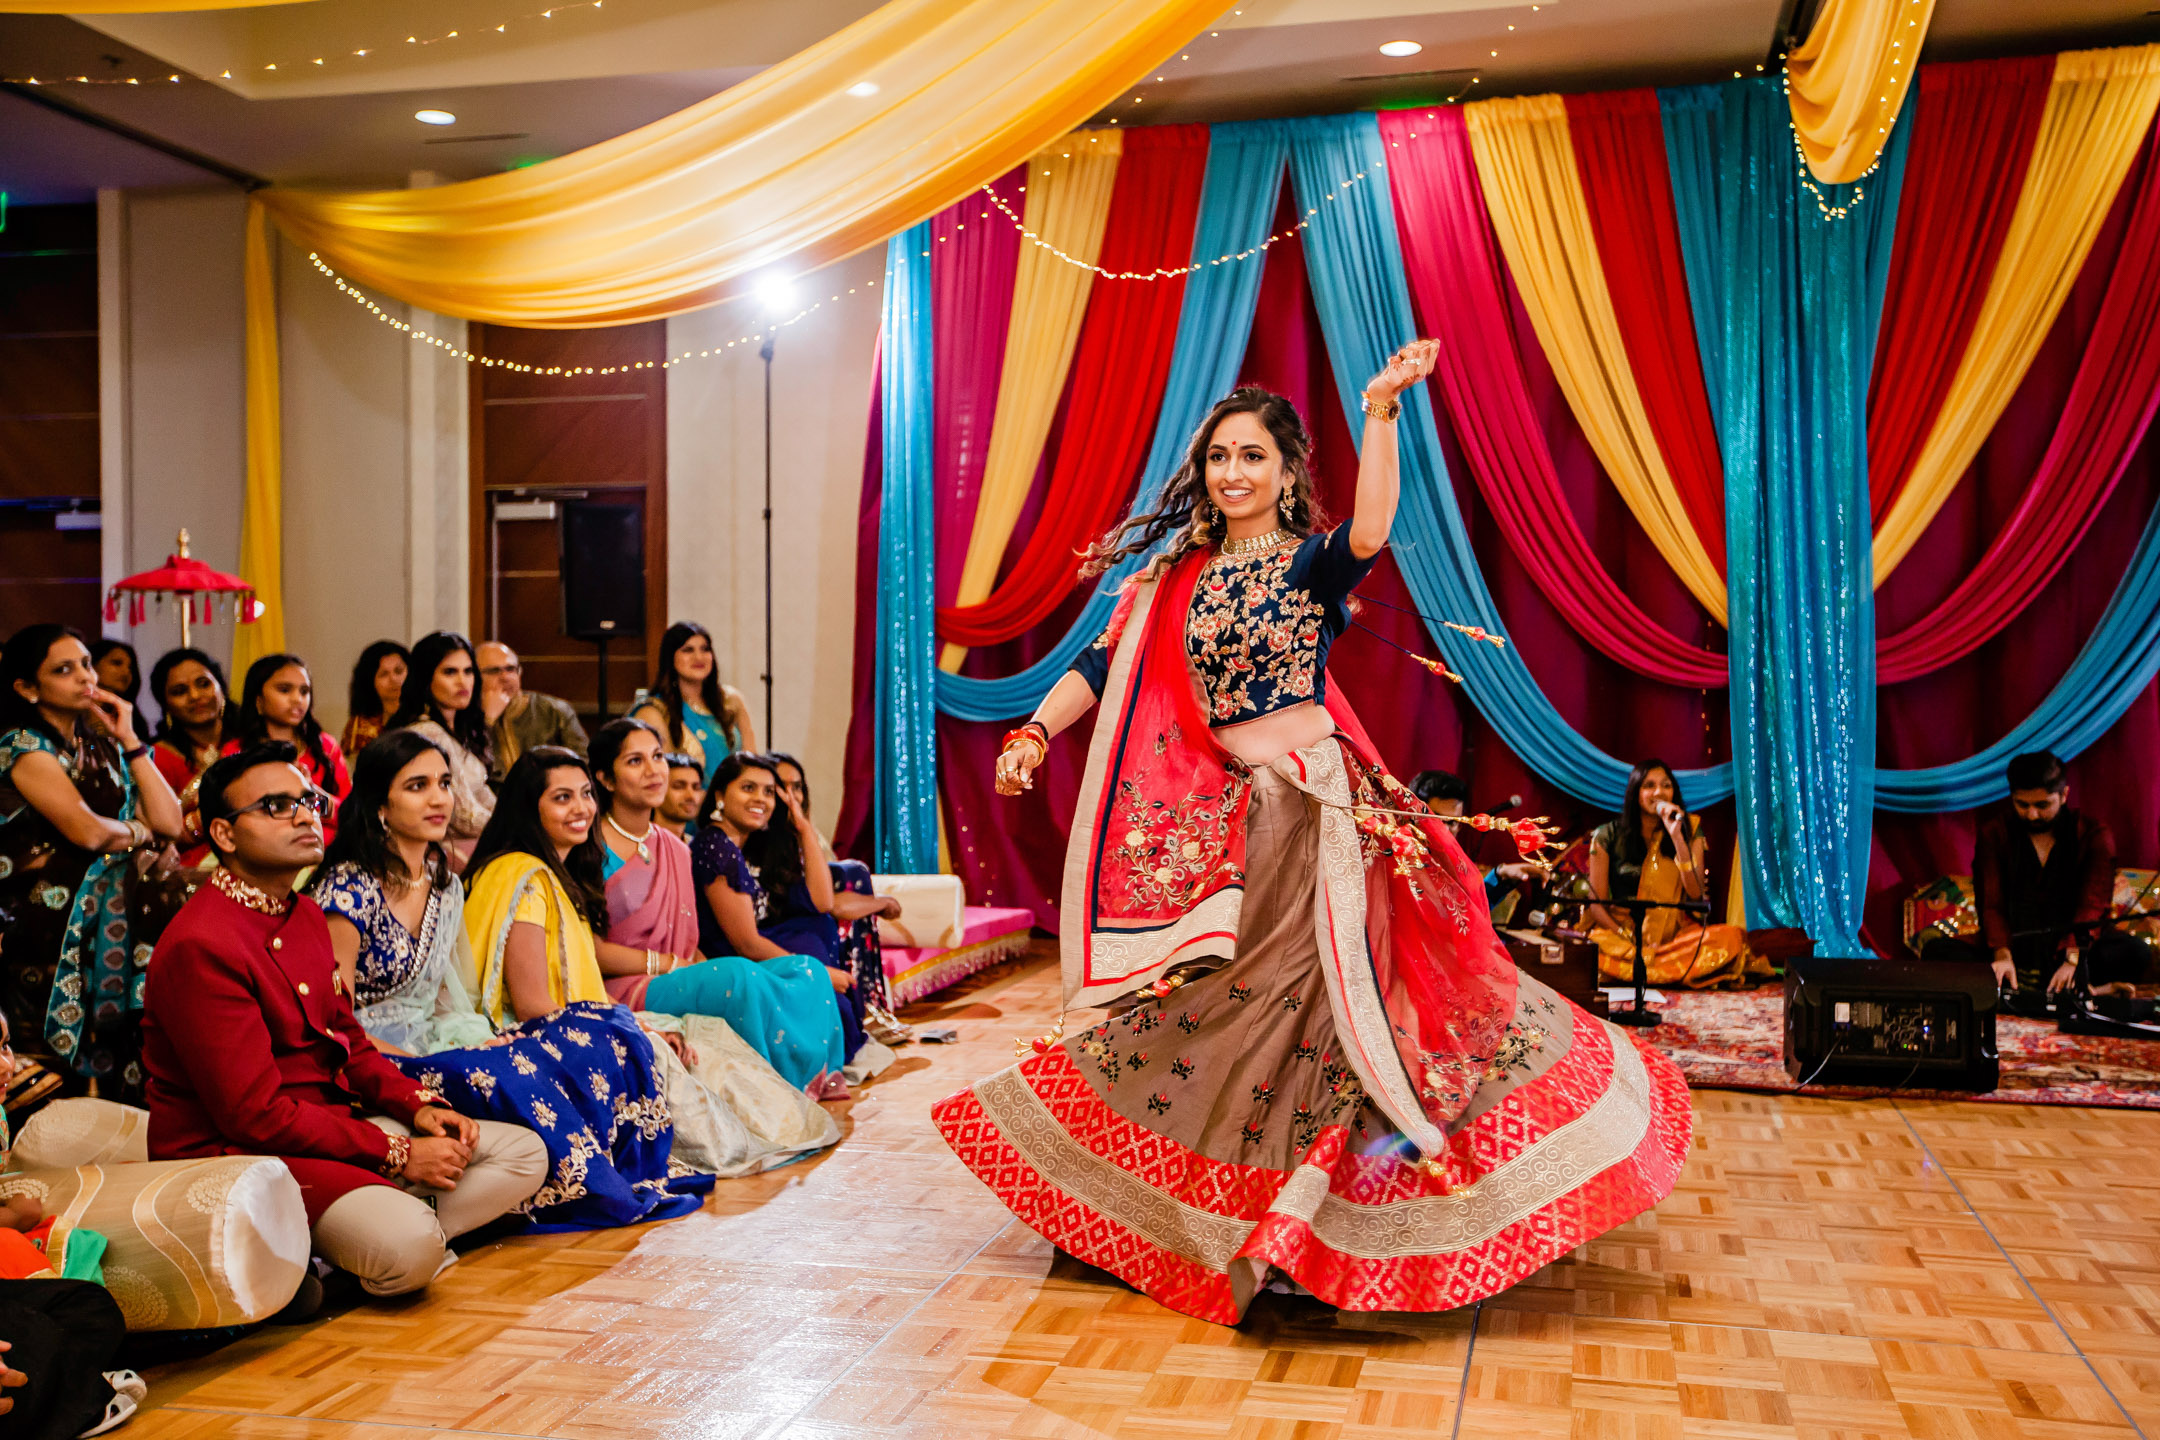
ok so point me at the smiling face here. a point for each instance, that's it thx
(192, 694)
(65, 679)
(1245, 474)
(567, 808)
(287, 696)
(451, 686)
(1657, 788)
(693, 662)
(418, 807)
(390, 682)
(639, 776)
(748, 801)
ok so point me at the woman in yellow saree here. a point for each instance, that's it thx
(1655, 851)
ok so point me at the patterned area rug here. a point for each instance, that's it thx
(1734, 1040)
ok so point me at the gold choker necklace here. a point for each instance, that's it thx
(1257, 543)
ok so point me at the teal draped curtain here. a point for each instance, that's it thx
(1792, 297)
(1354, 257)
(906, 649)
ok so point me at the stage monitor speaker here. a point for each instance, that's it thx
(603, 570)
(1891, 1024)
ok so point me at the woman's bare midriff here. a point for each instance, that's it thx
(1274, 735)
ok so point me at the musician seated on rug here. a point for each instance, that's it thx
(2041, 868)
(1655, 851)
(1446, 793)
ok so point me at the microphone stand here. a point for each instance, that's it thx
(1640, 1016)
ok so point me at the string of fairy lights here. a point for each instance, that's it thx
(327, 60)
(421, 335)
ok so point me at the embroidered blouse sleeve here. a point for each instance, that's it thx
(1093, 664)
(344, 892)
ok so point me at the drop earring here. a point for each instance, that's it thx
(1288, 504)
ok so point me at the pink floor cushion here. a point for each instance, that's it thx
(989, 935)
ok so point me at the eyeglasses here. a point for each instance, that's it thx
(282, 807)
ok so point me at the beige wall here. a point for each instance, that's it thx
(171, 391)
(375, 509)
(716, 482)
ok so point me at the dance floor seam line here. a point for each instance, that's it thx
(2017, 1269)
(1462, 1393)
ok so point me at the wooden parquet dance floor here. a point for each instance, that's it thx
(1826, 1268)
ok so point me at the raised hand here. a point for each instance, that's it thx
(1406, 367)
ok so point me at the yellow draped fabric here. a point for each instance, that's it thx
(1847, 81)
(261, 511)
(1068, 201)
(788, 167)
(126, 7)
(2099, 109)
(1526, 165)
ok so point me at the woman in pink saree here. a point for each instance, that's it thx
(1319, 1067)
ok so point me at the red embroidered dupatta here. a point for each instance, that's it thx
(1421, 987)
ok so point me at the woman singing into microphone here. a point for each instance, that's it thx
(1654, 851)
(1317, 1066)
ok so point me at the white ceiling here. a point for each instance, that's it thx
(542, 85)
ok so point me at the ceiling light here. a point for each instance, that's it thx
(1399, 48)
(776, 293)
(862, 89)
(434, 117)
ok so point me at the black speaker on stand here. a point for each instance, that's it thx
(603, 576)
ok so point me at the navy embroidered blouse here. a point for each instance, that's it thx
(1260, 626)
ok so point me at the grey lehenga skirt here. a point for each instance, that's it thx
(1189, 1143)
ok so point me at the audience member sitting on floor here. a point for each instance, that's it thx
(2041, 867)
(442, 702)
(651, 897)
(856, 907)
(520, 719)
(537, 882)
(277, 702)
(685, 796)
(583, 1077)
(252, 1049)
(748, 825)
(378, 684)
(79, 799)
(59, 1338)
(189, 688)
(694, 712)
(1655, 851)
(120, 673)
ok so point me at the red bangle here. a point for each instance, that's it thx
(1034, 730)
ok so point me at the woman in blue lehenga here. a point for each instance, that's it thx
(584, 1077)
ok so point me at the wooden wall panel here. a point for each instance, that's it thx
(540, 438)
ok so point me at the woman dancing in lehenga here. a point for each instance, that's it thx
(1318, 1059)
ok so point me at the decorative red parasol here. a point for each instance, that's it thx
(195, 584)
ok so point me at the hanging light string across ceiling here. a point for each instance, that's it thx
(495, 362)
(303, 64)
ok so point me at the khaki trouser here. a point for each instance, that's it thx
(396, 1240)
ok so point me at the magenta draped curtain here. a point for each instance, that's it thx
(2104, 420)
(974, 258)
(1458, 281)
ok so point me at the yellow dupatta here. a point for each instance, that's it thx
(508, 884)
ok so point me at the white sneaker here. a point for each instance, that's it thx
(127, 1382)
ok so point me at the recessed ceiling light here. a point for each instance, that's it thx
(863, 88)
(1400, 48)
(434, 117)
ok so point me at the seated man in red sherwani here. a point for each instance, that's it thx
(252, 1049)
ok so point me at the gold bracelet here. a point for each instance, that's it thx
(1383, 411)
(652, 962)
